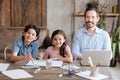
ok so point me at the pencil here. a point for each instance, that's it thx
(32, 62)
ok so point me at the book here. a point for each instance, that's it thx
(43, 63)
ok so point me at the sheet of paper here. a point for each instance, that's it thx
(43, 63)
(86, 74)
(3, 66)
(17, 74)
(56, 63)
(36, 62)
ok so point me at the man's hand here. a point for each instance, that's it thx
(79, 57)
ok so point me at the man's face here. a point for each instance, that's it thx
(91, 18)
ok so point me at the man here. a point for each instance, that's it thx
(90, 37)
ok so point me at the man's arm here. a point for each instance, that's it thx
(76, 47)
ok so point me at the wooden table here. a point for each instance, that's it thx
(51, 74)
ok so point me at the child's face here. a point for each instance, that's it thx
(30, 36)
(58, 40)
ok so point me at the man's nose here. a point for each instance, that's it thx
(90, 19)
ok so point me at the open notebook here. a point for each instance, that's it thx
(43, 63)
(97, 56)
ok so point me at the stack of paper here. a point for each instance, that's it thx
(43, 63)
(3, 66)
(17, 74)
(86, 74)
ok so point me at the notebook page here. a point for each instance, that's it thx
(43, 63)
(3, 66)
(17, 74)
(86, 74)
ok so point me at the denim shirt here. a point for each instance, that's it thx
(22, 49)
(100, 40)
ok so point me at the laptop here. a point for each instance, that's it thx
(97, 56)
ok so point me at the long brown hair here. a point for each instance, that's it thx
(62, 48)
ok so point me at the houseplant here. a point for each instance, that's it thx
(115, 42)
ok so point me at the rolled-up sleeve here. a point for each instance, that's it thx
(16, 47)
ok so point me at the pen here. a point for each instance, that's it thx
(32, 60)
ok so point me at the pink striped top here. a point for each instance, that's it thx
(55, 53)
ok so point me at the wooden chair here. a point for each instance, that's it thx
(7, 52)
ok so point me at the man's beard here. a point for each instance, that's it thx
(89, 24)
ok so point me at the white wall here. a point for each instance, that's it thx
(59, 15)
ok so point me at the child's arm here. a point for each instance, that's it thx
(15, 58)
(47, 53)
(46, 56)
(69, 57)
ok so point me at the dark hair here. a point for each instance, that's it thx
(37, 30)
(90, 7)
(46, 42)
(62, 48)
(93, 4)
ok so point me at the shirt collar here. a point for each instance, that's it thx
(27, 45)
(97, 30)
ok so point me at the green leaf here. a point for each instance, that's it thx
(114, 50)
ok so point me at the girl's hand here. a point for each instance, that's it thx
(40, 55)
